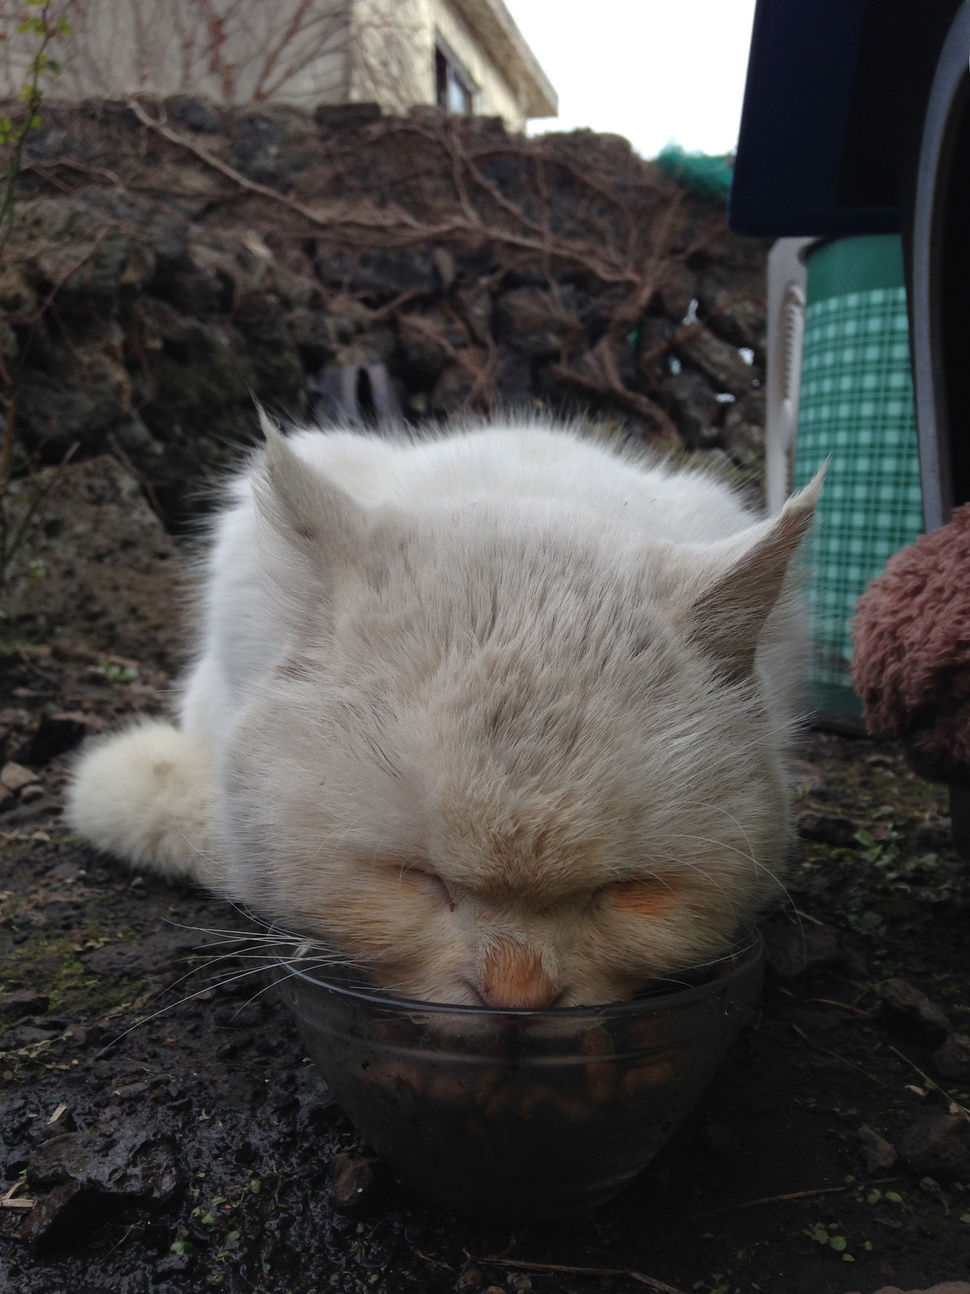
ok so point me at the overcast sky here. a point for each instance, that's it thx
(652, 70)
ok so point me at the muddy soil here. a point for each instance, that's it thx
(161, 1129)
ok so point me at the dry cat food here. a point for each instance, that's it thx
(556, 1109)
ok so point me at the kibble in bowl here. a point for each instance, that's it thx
(520, 1113)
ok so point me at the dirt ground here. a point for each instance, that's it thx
(161, 1130)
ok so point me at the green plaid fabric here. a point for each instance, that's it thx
(857, 406)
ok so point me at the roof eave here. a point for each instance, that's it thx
(506, 46)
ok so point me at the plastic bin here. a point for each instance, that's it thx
(855, 405)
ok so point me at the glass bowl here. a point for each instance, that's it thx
(519, 1113)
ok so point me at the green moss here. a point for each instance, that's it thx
(53, 963)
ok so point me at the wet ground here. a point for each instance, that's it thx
(161, 1129)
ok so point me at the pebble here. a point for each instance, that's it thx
(58, 1220)
(127, 1163)
(470, 1278)
(952, 1060)
(15, 776)
(938, 1145)
(21, 1002)
(948, 1287)
(912, 1013)
(879, 1154)
(804, 776)
(354, 1184)
(826, 827)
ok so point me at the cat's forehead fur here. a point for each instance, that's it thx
(530, 690)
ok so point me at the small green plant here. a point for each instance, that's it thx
(118, 673)
(40, 21)
(830, 1235)
(891, 1197)
(42, 25)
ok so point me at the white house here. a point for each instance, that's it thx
(465, 55)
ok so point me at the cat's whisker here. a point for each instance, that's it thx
(172, 1006)
(211, 871)
(756, 862)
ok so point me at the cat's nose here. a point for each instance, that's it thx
(512, 977)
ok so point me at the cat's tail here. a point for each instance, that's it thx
(147, 795)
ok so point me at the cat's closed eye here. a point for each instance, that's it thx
(644, 896)
(424, 880)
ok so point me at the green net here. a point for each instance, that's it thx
(857, 407)
(710, 176)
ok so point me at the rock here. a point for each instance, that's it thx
(15, 777)
(355, 1184)
(679, 293)
(82, 251)
(17, 297)
(194, 113)
(721, 1141)
(426, 342)
(383, 272)
(791, 951)
(739, 321)
(444, 263)
(258, 148)
(25, 1034)
(56, 734)
(718, 360)
(149, 956)
(170, 310)
(21, 1002)
(128, 1163)
(879, 1154)
(744, 435)
(275, 358)
(653, 347)
(200, 289)
(91, 1176)
(332, 117)
(952, 1060)
(475, 305)
(77, 403)
(96, 565)
(469, 1278)
(912, 1013)
(536, 322)
(938, 1145)
(827, 827)
(947, 1287)
(805, 777)
(695, 407)
(455, 389)
(59, 1219)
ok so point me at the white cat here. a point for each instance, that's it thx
(500, 715)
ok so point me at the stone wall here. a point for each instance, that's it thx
(164, 271)
(170, 262)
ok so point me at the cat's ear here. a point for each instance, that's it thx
(729, 611)
(316, 517)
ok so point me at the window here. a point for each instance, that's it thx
(453, 87)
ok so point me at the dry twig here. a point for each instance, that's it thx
(651, 1282)
(956, 1107)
